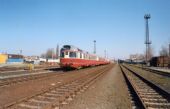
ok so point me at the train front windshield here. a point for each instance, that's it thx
(67, 47)
(62, 55)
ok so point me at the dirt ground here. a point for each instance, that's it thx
(110, 92)
(15, 92)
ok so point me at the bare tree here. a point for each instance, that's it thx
(43, 55)
(49, 53)
(164, 51)
(150, 53)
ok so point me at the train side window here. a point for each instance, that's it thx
(80, 55)
(66, 53)
(73, 54)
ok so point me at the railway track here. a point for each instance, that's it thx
(56, 96)
(11, 69)
(150, 96)
(166, 74)
(20, 79)
(15, 80)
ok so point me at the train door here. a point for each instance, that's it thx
(82, 55)
(78, 55)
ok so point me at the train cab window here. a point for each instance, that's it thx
(62, 54)
(72, 54)
(67, 47)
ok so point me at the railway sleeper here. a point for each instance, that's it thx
(157, 105)
(61, 89)
(155, 100)
(39, 101)
(19, 107)
(148, 94)
(27, 106)
(142, 87)
(151, 97)
(33, 103)
(54, 96)
(51, 94)
(146, 91)
(47, 98)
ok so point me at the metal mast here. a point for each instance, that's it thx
(105, 54)
(94, 46)
(169, 49)
(20, 52)
(147, 41)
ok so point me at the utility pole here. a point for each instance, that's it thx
(57, 52)
(169, 57)
(94, 46)
(20, 52)
(105, 54)
(147, 41)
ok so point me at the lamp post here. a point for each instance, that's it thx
(105, 54)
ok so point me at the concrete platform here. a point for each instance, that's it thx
(160, 69)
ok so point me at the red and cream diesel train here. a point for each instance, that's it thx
(73, 57)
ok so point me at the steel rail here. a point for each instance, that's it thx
(150, 95)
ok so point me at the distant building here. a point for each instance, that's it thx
(3, 58)
(32, 59)
(137, 57)
(15, 58)
(160, 61)
(11, 58)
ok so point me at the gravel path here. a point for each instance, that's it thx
(108, 93)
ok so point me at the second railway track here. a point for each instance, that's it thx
(149, 95)
(162, 73)
(14, 80)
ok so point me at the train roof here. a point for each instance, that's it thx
(70, 47)
(73, 48)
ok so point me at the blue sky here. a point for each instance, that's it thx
(117, 25)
